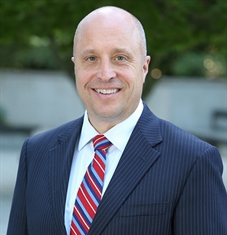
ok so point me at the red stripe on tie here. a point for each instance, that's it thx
(87, 195)
(86, 204)
(93, 186)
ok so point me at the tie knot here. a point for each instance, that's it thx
(101, 142)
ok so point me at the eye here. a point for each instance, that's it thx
(120, 58)
(91, 58)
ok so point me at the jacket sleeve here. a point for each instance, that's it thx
(202, 206)
(17, 220)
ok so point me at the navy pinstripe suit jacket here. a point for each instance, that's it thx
(167, 182)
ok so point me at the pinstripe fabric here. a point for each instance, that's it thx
(167, 182)
(90, 191)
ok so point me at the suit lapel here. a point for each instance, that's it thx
(137, 159)
(60, 158)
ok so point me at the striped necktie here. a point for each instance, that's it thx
(90, 191)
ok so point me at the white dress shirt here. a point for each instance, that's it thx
(84, 153)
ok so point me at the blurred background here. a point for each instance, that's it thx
(187, 82)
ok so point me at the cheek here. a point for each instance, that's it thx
(81, 78)
(136, 80)
(78, 81)
(80, 86)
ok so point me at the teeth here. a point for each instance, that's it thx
(105, 92)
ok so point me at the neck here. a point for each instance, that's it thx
(102, 126)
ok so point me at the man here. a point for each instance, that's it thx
(158, 178)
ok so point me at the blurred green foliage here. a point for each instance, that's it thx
(183, 36)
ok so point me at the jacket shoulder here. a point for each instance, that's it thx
(184, 146)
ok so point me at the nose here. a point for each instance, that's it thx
(106, 71)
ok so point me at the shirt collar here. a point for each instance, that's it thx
(117, 135)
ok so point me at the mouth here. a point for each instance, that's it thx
(107, 91)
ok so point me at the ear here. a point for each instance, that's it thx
(73, 59)
(146, 66)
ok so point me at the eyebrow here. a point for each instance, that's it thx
(122, 50)
(115, 50)
(87, 51)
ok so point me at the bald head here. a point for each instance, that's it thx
(112, 16)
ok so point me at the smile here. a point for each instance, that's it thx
(107, 91)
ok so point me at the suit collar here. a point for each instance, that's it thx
(60, 159)
(72, 130)
(148, 124)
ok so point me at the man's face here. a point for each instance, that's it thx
(110, 69)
